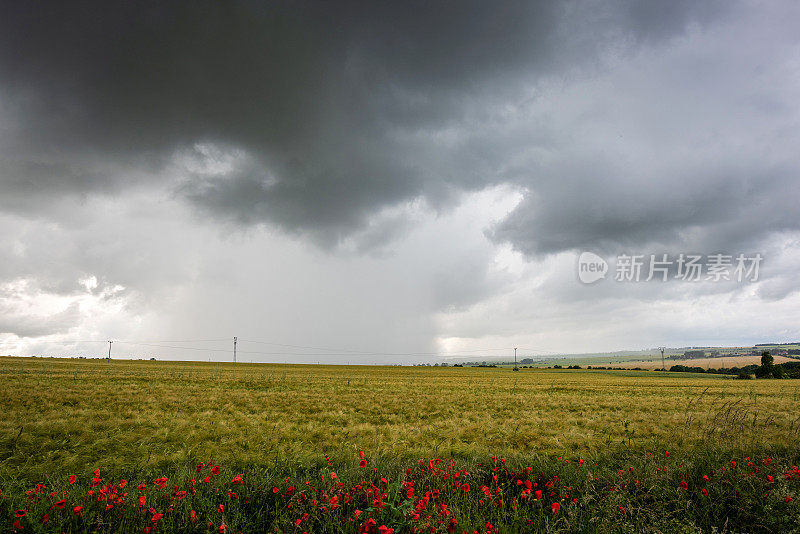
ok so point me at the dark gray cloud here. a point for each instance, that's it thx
(202, 160)
(341, 108)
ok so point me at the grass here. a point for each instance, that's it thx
(76, 415)
(275, 424)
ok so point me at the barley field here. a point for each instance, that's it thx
(153, 446)
(75, 414)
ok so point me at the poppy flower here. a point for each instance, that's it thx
(215, 470)
(142, 500)
(787, 499)
(60, 504)
(17, 525)
(555, 506)
(770, 478)
(20, 513)
(222, 528)
(73, 479)
(465, 487)
(156, 517)
(538, 495)
(684, 485)
(333, 475)
(220, 508)
(45, 518)
(704, 491)
(77, 510)
(362, 464)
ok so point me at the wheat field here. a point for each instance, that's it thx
(71, 414)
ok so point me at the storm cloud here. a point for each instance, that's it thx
(145, 144)
(325, 113)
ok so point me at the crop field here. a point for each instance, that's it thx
(280, 422)
(705, 363)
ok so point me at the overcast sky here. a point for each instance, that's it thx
(393, 182)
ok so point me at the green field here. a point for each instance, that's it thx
(76, 414)
(416, 449)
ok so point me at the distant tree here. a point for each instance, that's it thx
(765, 371)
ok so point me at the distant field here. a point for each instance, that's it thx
(64, 415)
(705, 363)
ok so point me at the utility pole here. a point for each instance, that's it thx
(109, 349)
(662, 349)
(235, 339)
(515, 359)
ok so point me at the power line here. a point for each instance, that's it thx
(321, 351)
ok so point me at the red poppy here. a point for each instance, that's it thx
(193, 516)
(142, 499)
(73, 479)
(17, 525)
(60, 504)
(362, 464)
(770, 478)
(684, 485)
(538, 495)
(704, 491)
(215, 470)
(465, 487)
(20, 513)
(333, 475)
(45, 518)
(222, 528)
(275, 489)
(220, 508)
(361, 454)
(123, 483)
(787, 499)
(555, 506)
(156, 517)
(77, 510)
(237, 479)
